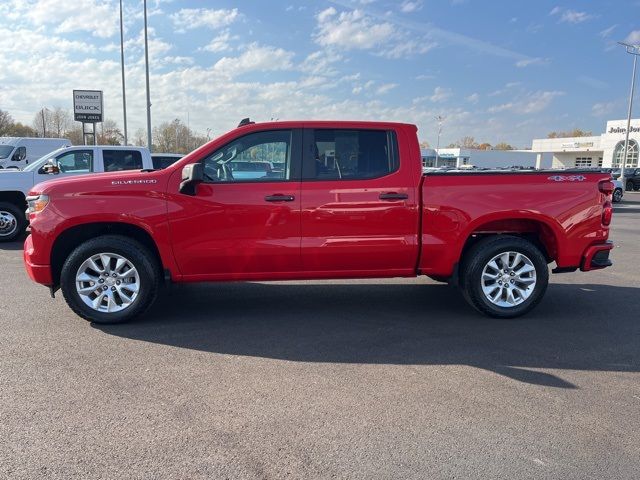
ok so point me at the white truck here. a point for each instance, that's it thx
(68, 161)
(18, 152)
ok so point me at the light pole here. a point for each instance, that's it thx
(439, 119)
(635, 51)
(124, 97)
(146, 64)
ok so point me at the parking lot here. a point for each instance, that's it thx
(341, 379)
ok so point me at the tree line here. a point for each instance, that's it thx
(168, 137)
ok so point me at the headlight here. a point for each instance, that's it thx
(37, 203)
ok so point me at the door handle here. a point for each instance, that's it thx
(393, 196)
(279, 198)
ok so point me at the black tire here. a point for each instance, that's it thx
(137, 254)
(617, 195)
(481, 254)
(11, 213)
(629, 186)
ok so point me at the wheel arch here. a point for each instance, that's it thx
(74, 236)
(14, 197)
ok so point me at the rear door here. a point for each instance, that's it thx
(117, 160)
(243, 227)
(359, 204)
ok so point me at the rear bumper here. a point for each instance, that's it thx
(596, 257)
(37, 273)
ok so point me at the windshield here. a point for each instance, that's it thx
(5, 151)
(38, 163)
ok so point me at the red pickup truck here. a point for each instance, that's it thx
(339, 200)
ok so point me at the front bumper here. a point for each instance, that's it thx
(37, 273)
(597, 257)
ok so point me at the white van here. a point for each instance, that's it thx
(17, 152)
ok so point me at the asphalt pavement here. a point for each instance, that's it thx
(361, 379)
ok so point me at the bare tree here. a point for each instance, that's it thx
(576, 132)
(111, 133)
(503, 146)
(60, 122)
(6, 122)
(140, 137)
(176, 137)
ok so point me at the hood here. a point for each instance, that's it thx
(95, 182)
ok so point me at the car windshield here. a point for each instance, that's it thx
(38, 163)
(5, 151)
(249, 166)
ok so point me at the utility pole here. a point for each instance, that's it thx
(146, 64)
(44, 124)
(635, 51)
(124, 96)
(439, 119)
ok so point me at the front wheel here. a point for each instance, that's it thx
(110, 279)
(12, 222)
(629, 185)
(504, 276)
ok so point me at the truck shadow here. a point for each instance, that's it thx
(575, 327)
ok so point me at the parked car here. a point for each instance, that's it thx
(163, 160)
(353, 203)
(61, 163)
(618, 191)
(631, 177)
(18, 152)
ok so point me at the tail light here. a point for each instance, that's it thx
(607, 213)
(606, 186)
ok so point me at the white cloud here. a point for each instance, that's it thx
(571, 16)
(603, 109)
(219, 43)
(387, 87)
(473, 98)
(440, 94)
(190, 18)
(532, 102)
(409, 6)
(633, 38)
(99, 18)
(255, 57)
(351, 30)
(608, 31)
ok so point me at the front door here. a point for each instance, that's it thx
(244, 221)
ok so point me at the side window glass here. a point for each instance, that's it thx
(257, 157)
(119, 160)
(79, 161)
(352, 154)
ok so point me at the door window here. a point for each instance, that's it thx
(351, 154)
(257, 157)
(79, 161)
(118, 160)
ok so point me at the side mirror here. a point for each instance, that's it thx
(192, 175)
(51, 169)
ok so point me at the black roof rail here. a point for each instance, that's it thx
(245, 121)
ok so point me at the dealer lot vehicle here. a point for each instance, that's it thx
(352, 202)
(18, 152)
(61, 163)
(631, 178)
(164, 160)
(618, 191)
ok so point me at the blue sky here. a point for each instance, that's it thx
(496, 70)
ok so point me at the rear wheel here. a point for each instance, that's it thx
(110, 279)
(629, 185)
(504, 276)
(12, 222)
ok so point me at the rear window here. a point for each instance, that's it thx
(352, 154)
(118, 160)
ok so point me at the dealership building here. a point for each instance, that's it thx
(605, 150)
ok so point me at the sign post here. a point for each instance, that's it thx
(87, 108)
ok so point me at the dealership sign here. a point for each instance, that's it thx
(87, 106)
